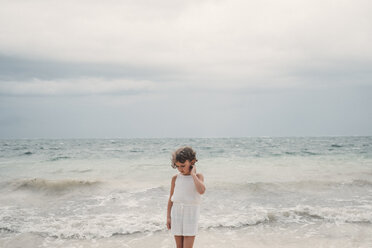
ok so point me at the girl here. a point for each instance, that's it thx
(185, 197)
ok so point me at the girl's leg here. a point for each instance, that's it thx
(179, 241)
(188, 241)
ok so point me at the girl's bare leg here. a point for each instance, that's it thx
(179, 241)
(188, 241)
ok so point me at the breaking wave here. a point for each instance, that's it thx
(295, 185)
(128, 223)
(38, 184)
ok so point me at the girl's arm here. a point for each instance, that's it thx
(198, 180)
(170, 203)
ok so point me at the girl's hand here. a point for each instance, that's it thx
(193, 171)
(169, 223)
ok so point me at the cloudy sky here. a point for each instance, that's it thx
(172, 68)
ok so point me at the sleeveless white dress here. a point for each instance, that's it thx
(185, 210)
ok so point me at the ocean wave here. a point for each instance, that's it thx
(105, 224)
(112, 149)
(59, 158)
(7, 230)
(19, 148)
(38, 184)
(327, 214)
(290, 153)
(359, 182)
(290, 186)
(136, 150)
(83, 227)
(298, 215)
(237, 222)
(82, 171)
(54, 148)
(310, 153)
(150, 191)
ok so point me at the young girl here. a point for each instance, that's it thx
(185, 197)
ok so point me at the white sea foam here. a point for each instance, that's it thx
(105, 190)
(39, 184)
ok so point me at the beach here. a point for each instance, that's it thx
(344, 236)
(261, 192)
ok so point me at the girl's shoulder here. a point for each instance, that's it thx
(173, 182)
(174, 177)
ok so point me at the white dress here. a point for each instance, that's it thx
(185, 210)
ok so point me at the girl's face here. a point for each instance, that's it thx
(184, 168)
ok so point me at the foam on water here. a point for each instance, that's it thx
(104, 189)
(38, 184)
(92, 221)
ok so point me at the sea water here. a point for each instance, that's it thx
(261, 192)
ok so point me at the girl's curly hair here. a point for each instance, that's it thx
(182, 154)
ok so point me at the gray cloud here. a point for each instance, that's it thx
(137, 68)
(20, 68)
(201, 40)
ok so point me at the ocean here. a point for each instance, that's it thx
(260, 192)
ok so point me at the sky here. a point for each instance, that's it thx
(172, 68)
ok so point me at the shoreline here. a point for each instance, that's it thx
(261, 236)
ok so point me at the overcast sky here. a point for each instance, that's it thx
(134, 68)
